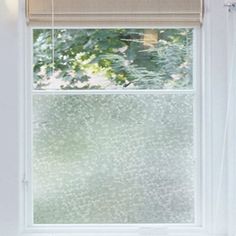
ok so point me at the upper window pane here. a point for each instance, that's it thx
(66, 59)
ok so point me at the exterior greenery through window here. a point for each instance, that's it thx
(113, 59)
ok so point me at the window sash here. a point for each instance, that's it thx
(114, 228)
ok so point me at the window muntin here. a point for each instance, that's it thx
(165, 112)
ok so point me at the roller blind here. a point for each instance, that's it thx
(115, 12)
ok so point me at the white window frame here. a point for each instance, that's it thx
(214, 95)
(113, 229)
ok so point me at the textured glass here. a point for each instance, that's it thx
(113, 159)
(66, 59)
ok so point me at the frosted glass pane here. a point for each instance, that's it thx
(113, 159)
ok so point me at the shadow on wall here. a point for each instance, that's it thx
(9, 7)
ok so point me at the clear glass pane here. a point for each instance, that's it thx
(112, 58)
(113, 159)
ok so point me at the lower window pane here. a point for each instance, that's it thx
(113, 159)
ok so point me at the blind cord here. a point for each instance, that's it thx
(53, 38)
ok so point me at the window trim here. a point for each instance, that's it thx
(113, 228)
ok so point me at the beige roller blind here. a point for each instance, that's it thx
(115, 12)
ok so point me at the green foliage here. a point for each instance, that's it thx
(112, 58)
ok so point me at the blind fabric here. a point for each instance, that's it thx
(115, 12)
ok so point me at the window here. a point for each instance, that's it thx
(114, 122)
(113, 131)
(15, 134)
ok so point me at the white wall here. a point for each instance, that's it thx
(216, 52)
(232, 124)
(9, 79)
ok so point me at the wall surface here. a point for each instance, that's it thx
(217, 52)
(9, 158)
(231, 26)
